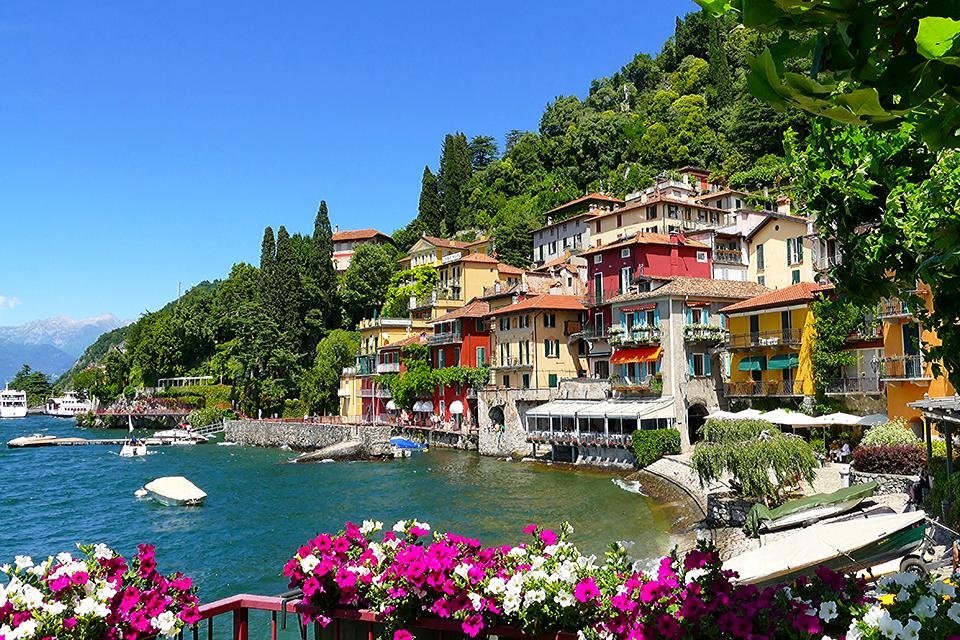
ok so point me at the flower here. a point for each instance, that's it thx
(828, 611)
(926, 607)
(23, 562)
(548, 537)
(369, 526)
(586, 590)
(911, 630)
(943, 589)
(889, 626)
(309, 563)
(953, 612)
(402, 634)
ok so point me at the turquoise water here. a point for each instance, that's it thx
(260, 508)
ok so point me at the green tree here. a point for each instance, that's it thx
(323, 308)
(430, 208)
(319, 384)
(418, 282)
(268, 261)
(455, 171)
(483, 151)
(288, 292)
(719, 76)
(512, 232)
(367, 280)
(36, 384)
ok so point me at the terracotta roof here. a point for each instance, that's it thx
(509, 269)
(683, 286)
(419, 338)
(476, 308)
(719, 194)
(771, 216)
(797, 294)
(591, 196)
(443, 242)
(559, 261)
(646, 238)
(640, 202)
(357, 234)
(476, 257)
(504, 292)
(543, 302)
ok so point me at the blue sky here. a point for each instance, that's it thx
(146, 144)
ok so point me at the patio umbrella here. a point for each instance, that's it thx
(840, 418)
(872, 419)
(748, 413)
(791, 418)
(722, 415)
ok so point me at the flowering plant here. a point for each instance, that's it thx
(546, 585)
(94, 595)
(908, 608)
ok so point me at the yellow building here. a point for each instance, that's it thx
(906, 374)
(463, 276)
(532, 342)
(351, 406)
(430, 250)
(770, 342)
(779, 251)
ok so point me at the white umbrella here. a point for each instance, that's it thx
(872, 419)
(791, 418)
(748, 413)
(722, 415)
(840, 418)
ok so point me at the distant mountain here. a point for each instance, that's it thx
(51, 345)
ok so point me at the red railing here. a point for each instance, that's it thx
(346, 625)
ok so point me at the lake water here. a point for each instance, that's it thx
(260, 508)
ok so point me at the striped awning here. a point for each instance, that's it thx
(752, 363)
(784, 361)
(638, 354)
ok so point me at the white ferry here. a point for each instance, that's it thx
(69, 405)
(13, 404)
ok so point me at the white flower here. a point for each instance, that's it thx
(854, 632)
(89, 606)
(872, 617)
(5, 568)
(54, 608)
(102, 552)
(377, 552)
(537, 562)
(400, 526)
(904, 579)
(534, 596)
(911, 630)
(517, 552)
(23, 562)
(421, 525)
(889, 627)
(926, 607)
(564, 599)
(954, 612)
(476, 600)
(828, 611)
(64, 558)
(27, 629)
(496, 585)
(309, 563)
(943, 589)
(37, 571)
(462, 570)
(31, 597)
(392, 544)
(165, 623)
(511, 603)
(369, 526)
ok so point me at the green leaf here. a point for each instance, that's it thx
(715, 7)
(939, 39)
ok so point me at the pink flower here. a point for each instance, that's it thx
(548, 537)
(346, 580)
(419, 532)
(530, 529)
(586, 590)
(472, 625)
(402, 634)
(60, 583)
(69, 623)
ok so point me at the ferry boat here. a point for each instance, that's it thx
(69, 405)
(13, 403)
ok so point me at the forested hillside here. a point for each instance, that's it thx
(280, 332)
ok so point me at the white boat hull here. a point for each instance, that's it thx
(133, 450)
(175, 491)
(13, 412)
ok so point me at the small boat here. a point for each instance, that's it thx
(849, 545)
(133, 448)
(403, 447)
(175, 491)
(180, 436)
(33, 440)
(807, 510)
(13, 403)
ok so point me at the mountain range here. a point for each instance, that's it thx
(50, 345)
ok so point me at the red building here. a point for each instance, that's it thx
(619, 267)
(375, 398)
(460, 338)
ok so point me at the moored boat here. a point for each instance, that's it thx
(403, 447)
(807, 510)
(69, 405)
(13, 403)
(175, 491)
(34, 439)
(180, 436)
(849, 545)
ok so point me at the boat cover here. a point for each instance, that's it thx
(405, 443)
(760, 512)
(176, 488)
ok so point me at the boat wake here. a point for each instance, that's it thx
(227, 444)
(631, 486)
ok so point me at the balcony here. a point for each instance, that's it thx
(789, 336)
(894, 308)
(349, 371)
(365, 366)
(597, 298)
(619, 335)
(384, 322)
(651, 386)
(343, 392)
(511, 362)
(763, 389)
(904, 368)
(388, 367)
(595, 333)
(446, 337)
(709, 333)
(853, 386)
(827, 262)
(375, 392)
(728, 256)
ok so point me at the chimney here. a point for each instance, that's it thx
(336, 228)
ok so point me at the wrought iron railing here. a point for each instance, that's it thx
(592, 332)
(763, 389)
(788, 336)
(904, 368)
(388, 367)
(446, 337)
(704, 333)
(727, 256)
(635, 335)
(847, 386)
(894, 308)
(827, 262)
(511, 362)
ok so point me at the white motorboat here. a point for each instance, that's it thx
(34, 439)
(180, 436)
(133, 448)
(69, 405)
(175, 491)
(13, 403)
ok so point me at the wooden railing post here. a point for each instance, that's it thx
(241, 624)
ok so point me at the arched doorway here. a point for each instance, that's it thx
(496, 417)
(696, 416)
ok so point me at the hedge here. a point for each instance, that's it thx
(650, 445)
(894, 432)
(902, 459)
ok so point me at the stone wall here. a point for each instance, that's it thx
(439, 438)
(306, 436)
(507, 437)
(888, 483)
(727, 510)
(864, 404)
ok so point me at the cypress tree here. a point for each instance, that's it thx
(324, 274)
(719, 76)
(288, 290)
(268, 262)
(455, 171)
(430, 211)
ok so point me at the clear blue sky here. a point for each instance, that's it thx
(146, 144)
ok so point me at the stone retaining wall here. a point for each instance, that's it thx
(727, 510)
(507, 437)
(439, 438)
(888, 483)
(306, 436)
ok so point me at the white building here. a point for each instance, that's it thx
(570, 233)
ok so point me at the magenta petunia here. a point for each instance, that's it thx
(586, 590)
(548, 537)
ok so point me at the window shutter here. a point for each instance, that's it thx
(690, 363)
(707, 365)
(546, 347)
(689, 315)
(705, 316)
(657, 366)
(656, 315)
(800, 249)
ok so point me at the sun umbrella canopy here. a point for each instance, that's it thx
(840, 418)
(748, 414)
(456, 407)
(639, 354)
(791, 418)
(872, 419)
(752, 363)
(391, 406)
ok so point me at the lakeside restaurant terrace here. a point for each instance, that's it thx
(597, 422)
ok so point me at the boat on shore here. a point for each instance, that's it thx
(402, 447)
(13, 403)
(848, 546)
(807, 510)
(175, 491)
(180, 436)
(33, 440)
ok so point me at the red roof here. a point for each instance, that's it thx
(592, 197)
(797, 294)
(542, 303)
(510, 270)
(357, 234)
(647, 238)
(477, 257)
(419, 338)
(473, 309)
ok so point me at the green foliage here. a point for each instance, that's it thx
(474, 377)
(319, 384)
(834, 320)
(455, 170)
(430, 209)
(36, 384)
(211, 396)
(749, 450)
(364, 287)
(206, 416)
(894, 432)
(483, 151)
(417, 282)
(649, 445)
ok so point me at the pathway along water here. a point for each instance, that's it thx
(260, 508)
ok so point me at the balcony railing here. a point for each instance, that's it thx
(388, 367)
(704, 333)
(447, 337)
(379, 391)
(904, 368)
(827, 262)
(384, 322)
(595, 298)
(866, 332)
(349, 371)
(727, 256)
(590, 439)
(789, 336)
(763, 389)
(512, 362)
(595, 333)
(636, 335)
(343, 392)
(851, 386)
(895, 308)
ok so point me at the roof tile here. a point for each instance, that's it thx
(797, 294)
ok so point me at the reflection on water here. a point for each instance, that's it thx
(260, 508)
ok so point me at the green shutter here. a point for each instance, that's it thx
(707, 365)
(705, 315)
(552, 380)
(656, 315)
(690, 364)
(689, 315)
(800, 249)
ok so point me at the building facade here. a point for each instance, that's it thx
(779, 252)
(568, 230)
(460, 338)
(344, 243)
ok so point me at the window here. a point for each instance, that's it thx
(549, 320)
(625, 253)
(795, 276)
(760, 257)
(598, 226)
(739, 204)
(481, 325)
(652, 213)
(699, 364)
(541, 253)
(619, 220)
(625, 277)
(526, 380)
(552, 381)
(553, 247)
(551, 348)
(456, 356)
(761, 280)
(506, 380)
(695, 316)
(441, 360)
(565, 241)
(598, 258)
(701, 215)
(525, 352)
(794, 250)
(701, 256)
(481, 356)
(672, 211)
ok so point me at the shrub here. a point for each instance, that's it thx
(203, 417)
(942, 490)
(652, 444)
(900, 459)
(894, 432)
(723, 431)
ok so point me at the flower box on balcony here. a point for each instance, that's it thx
(704, 333)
